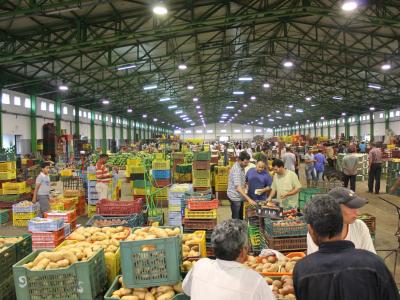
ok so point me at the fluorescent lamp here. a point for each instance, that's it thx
(308, 121)
(322, 118)
(238, 93)
(277, 111)
(236, 115)
(288, 64)
(236, 130)
(199, 131)
(172, 106)
(192, 124)
(224, 117)
(372, 108)
(63, 88)
(197, 106)
(223, 131)
(247, 130)
(160, 9)
(308, 98)
(229, 107)
(182, 66)
(271, 120)
(299, 110)
(386, 66)
(178, 112)
(209, 131)
(126, 67)
(144, 116)
(155, 119)
(182, 116)
(313, 105)
(150, 87)
(266, 85)
(290, 106)
(221, 121)
(190, 87)
(129, 110)
(279, 117)
(105, 101)
(374, 86)
(253, 98)
(245, 105)
(165, 99)
(349, 5)
(195, 99)
(288, 115)
(185, 118)
(245, 78)
(343, 113)
(337, 98)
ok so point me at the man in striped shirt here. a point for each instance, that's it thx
(103, 177)
(375, 169)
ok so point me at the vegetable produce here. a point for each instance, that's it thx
(113, 222)
(272, 264)
(164, 292)
(149, 233)
(187, 265)
(189, 157)
(24, 203)
(191, 244)
(94, 234)
(283, 288)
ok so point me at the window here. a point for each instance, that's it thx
(209, 131)
(96, 116)
(43, 106)
(100, 117)
(199, 131)
(398, 113)
(85, 114)
(258, 130)
(367, 117)
(17, 101)
(381, 116)
(247, 130)
(391, 114)
(89, 115)
(106, 118)
(80, 113)
(177, 132)
(65, 110)
(188, 131)
(51, 107)
(73, 112)
(27, 103)
(5, 99)
(223, 131)
(236, 131)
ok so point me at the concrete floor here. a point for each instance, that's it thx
(386, 215)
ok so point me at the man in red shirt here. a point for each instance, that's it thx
(103, 177)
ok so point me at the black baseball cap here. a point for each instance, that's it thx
(347, 197)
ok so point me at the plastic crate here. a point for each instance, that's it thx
(9, 198)
(201, 165)
(306, 194)
(119, 208)
(67, 216)
(91, 210)
(201, 196)
(48, 236)
(4, 216)
(221, 187)
(221, 179)
(161, 165)
(41, 224)
(133, 161)
(202, 205)
(20, 223)
(296, 227)
(184, 168)
(201, 155)
(23, 247)
(62, 205)
(201, 214)
(160, 266)
(206, 224)
(140, 184)
(142, 191)
(161, 174)
(134, 220)
(286, 243)
(162, 182)
(201, 182)
(81, 280)
(370, 221)
(181, 297)
(201, 174)
(202, 234)
(222, 171)
(7, 289)
(26, 209)
(8, 175)
(25, 216)
(8, 257)
(7, 166)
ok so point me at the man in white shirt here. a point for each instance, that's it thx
(226, 278)
(289, 159)
(354, 230)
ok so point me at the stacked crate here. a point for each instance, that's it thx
(176, 196)
(8, 170)
(183, 173)
(23, 212)
(393, 172)
(221, 181)
(362, 167)
(47, 233)
(370, 221)
(161, 171)
(200, 213)
(16, 188)
(201, 170)
(306, 194)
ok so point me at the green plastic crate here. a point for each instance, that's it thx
(306, 194)
(202, 155)
(3, 216)
(9, 198)
(114, 286)
(82, 280)
(7, 290)
(141, 184)
(184, 168)
(22, 248)
(181, 297)
(8, 257)
(151, 268)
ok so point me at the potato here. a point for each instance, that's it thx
(52, 266)
(129, 298)
(167, 296)
(164, 288)
(149, 296)
(54, 256)
(139, 294)
(178, 287)
(125, 291)
(70, 256)
(63, 263)
(41, 265)
(39, 258)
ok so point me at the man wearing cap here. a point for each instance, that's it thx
(354, 230)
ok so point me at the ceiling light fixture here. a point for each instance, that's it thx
(178, 112)
(144, 116)
(155, 119)
(129, 110)
(386, 66)
(266, 85)
(172, 106)
(230, 107)
(308, 98)
(253, 98)
(160, 9)
(245, 78)
(165, 99)
(126, 67)
(349, 5)
(150, 87)
(245, 105)
(288, 64)
(238, 93)
(195, 99)
(299, 110)
(374, 86)
(290, 106)
(372, 108)
(63, 87)
(105, 101)
(182, 66)
(337, 98)
(343, 114)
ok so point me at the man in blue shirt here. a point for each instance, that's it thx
(259, 182)
(363, 147)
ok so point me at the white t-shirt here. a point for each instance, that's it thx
(358, 233)
(225, 280)
(289, 159)
(44, 181)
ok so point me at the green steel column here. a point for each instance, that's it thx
(358, 127)
(371, 125)
(329, 131)
(139, 131)
(1, 119)
(121, 130)
(387, 120)
(104, 133)
(33, 124)
(113, 127)
(322, 128)
(315, 129)
(129, 136)
(58, 115)
(309, 129)
(77, 129)
(134, 131)
(337, 129)
(347, 129)
(92, 133)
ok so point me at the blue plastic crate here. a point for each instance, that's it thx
(161, 174)
(42, 225)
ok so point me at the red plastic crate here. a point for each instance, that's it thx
(73, 225)
(206, 224)
(81, 209)
(67, 216)
(202, 205)
(162, 182)
(47, 237)
(118, 208)
(201, 165)
(46, 245)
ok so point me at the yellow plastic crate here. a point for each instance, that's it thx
(133, 162)
(201, 182)
(91, 177)
(221, 179)
(163, 192)
(200, 214)
(174, 208)
(221, 187)
(8, 175)
(137, 170)
(14, 185)
(24, 216)
(24, 161)
(66, 173)
(139, 191)
(203, 248)
(20, 223)
(222, 171)
(159, 156)
(91, 210)
(161, 165)
(7, 166)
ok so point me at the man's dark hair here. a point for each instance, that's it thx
(103, 155)
(244, 156)
(229, 238)
(288, 149)
(44, 164)
(278, 163)
(319, 150)
(324, 216)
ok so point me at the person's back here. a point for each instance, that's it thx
(289, 159)
(339, 271)
(349, 164)
(363, 147)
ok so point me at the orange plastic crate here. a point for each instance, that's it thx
(67, 216)
(202, 205)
